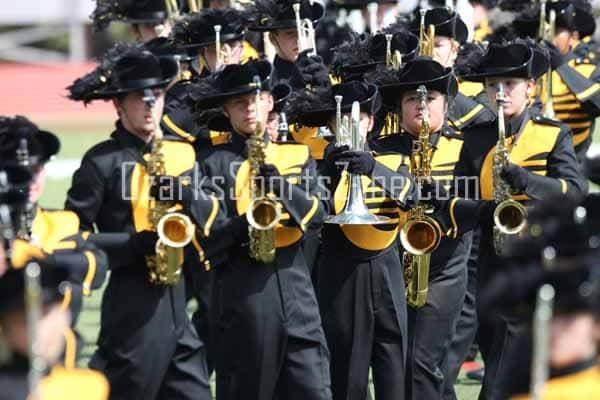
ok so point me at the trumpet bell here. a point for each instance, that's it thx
(263, 214)
(510, 217)
(356, 212)
(419, 237)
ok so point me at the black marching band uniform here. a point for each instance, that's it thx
(542, 162)
(430, 327)
(330, 309)
(111, 190)
(360, 286)
(267, 330)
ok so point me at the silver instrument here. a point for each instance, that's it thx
(306, 32)
(355, 211)
(542, 317)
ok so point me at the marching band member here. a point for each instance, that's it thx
(360, 286)
(269, 340)
(558, 357)
(111, 190)
(430, 326)
(16, 329)
(575, 72)
(450, 33)
(541, 162)
(49, 233)
(481, 21)
(148, 18)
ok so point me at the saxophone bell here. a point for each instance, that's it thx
(510, 217)
(421, 236)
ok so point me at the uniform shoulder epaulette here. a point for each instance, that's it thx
(452, 133)
(540, 119)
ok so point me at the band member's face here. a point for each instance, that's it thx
(445, 50)
(231, 53)
(565, 40)
(241, 111)
(273, 125)
(148, 31)
(286, 43)
(36, 189)
(137, 117)
(412, 114)
(51, 327)
(366, 124)
(516, 94)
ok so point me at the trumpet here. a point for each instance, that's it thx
(306, 32)
(263, 213)
(175, 230)
(426, 36)
(546, 31)
(194, 6)
(222, 50)
(421, 234)
(392, 60)
(509, 215)
(355, 211)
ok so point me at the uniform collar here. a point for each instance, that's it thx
(574, 368)
(516, 125)
(128, 139)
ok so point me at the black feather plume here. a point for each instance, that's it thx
(469, 58)
(304, 101)
(354, 51)
(107, 11)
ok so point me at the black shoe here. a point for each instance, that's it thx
(476, 374)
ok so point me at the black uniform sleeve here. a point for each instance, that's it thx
(87, 263)
(586, 90)
(563, 175)
(398, 184)
(466, 112)
(304, 201)
(86, 193)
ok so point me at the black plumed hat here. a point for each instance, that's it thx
(122, 70)
(318, 107)
(362, 53)
(197, 30)
(131, 11)
(574, 16)
(269, 15)
(358, 4)
(517, 59)
(420, 71)
(447, 23)
(41, 145)
(14, 181)
(489, 4)
(233, 80)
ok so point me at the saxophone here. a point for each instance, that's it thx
(421, 234)
(263, 212)
(509, 215)
(546, 31)
(174, 229)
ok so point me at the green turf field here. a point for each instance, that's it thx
(76, 138)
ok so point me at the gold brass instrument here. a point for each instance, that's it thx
(306, 32)
(283, 127)
(546, 31)
(540, 360)
(33, 310)
(421, 234)
(263, 212)
(194, 6)
(355, 211)
(392, 61)
(426, 36)
(509, 215)
(175, 230)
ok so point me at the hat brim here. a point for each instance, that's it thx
(447, 85)
(539, 66)
(281, 92)
(586, 23)
(50, 144)
(218, 99)
(169, 70)
(147, 17)
(318, 11)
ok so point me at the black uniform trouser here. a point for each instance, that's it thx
(430, 330)
(363, 311)
(268, 336)
(466, 325)
(202, 290)
(147, 347)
